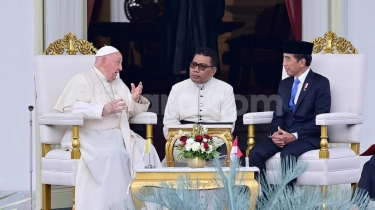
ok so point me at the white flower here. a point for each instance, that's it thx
(189, 141)
(195, 146)
(209, 149)
(180, 133)
(204, 140)
(188, 147)
(202, 147)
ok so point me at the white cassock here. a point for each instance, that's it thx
(110, 150)
(212, 101)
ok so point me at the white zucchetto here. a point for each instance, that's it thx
(106, 50)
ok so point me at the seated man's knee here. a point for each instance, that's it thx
(287, 153)
(255, 153)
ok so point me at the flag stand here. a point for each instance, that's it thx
(149, 162)
(148, 151)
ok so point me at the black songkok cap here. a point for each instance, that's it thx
(298, 47)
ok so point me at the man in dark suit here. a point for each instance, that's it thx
(304, 94)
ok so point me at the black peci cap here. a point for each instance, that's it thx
(298, 47)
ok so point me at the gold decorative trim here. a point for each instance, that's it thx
(323, 153)
(45, 149)
(149, 135)
(250, 139)
(71, 45)
(222, 133)
(330, 42)
(355, 147)
(76, 153)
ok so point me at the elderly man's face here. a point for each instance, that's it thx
(201, 69)
(292, 66)
(113, 65)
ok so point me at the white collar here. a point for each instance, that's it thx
(203, 84)
(100, 74)
(303, 76)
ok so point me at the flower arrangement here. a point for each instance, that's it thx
(197, 144)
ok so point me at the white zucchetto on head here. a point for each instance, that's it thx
(106, 50)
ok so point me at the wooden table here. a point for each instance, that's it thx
(154, 177)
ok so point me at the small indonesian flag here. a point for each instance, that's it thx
(235, 150)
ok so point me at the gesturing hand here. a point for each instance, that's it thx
(113, 107)
(136, 91)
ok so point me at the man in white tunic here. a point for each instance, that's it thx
(201, 98)
(110, 150)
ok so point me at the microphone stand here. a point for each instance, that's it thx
(31, 108)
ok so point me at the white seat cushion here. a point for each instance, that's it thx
(144, 118)
(342, 167)
(58, 168)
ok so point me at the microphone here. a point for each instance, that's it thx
(31, 108)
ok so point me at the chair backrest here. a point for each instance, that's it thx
(347, 76)
(52, 74)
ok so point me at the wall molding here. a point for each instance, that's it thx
(314, 25)
(343, 18)
(333, 15)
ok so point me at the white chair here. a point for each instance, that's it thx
(52, 73)
(347, 75)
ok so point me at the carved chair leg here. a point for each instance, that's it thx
(324, 193)
(46, 197)
(250, 139)
(354, 187)
(74, 198)
(149, 134)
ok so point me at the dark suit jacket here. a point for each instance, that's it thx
(313, 100)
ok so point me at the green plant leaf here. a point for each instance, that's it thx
(7, 196)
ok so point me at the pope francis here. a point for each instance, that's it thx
(110, 150)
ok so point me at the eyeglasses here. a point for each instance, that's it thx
(201, 67)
